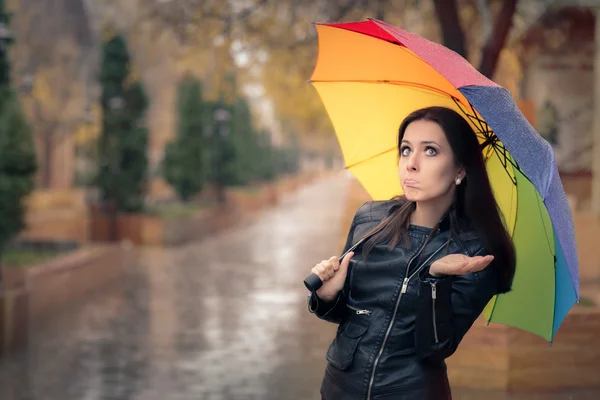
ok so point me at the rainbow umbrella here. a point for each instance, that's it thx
(370, 75)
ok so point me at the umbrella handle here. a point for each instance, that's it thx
(313, 282)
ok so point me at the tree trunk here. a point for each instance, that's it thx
(495, 43)
(380, 6)
(452, 34)
(47, 173)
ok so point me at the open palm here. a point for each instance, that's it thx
(459, 264)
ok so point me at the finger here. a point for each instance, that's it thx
(463, 266)
(478, 263)
(327, 265)
(321, 272)
(335, 262)
(318, 273)
(484, 262)
(326, 269)
(346, 261)
(329, 269)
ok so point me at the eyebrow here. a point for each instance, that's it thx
(422, 142)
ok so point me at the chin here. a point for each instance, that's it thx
(415, 199)
(416, 196)
(412, 196)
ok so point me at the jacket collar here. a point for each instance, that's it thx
(444, 222)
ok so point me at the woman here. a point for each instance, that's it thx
(432, 259)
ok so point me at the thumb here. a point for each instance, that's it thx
(346, 261)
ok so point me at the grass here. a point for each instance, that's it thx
(24, 258)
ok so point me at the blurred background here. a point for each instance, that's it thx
(168, 178)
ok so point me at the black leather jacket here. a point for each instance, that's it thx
(397, 324)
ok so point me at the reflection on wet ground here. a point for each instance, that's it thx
(217, 320)
(221, 319)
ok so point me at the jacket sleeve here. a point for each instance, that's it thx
(334, 311)
(448, 307)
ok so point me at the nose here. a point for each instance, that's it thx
(412, 163)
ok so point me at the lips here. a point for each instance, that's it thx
(410, 182)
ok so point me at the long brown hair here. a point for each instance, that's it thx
(474, 207)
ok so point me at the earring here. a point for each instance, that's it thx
(457, 181)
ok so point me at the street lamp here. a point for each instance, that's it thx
(116, 103)
(6, 38)
(26, 85)
(221, 116)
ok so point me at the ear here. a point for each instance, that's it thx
(461, 174)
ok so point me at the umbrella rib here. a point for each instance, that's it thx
(492, 140)
(492, 311)
(392, 82)
(370, 158)
(537, 198)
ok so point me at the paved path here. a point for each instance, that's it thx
(220, 319)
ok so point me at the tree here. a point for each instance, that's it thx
(266, 157)
(17, 152)
(123, 142)
(454, 38)
(247, 145)
(184, 165)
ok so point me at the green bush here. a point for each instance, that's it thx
(185, 163)
(18, 162)
(123, 144)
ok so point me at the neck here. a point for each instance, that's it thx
(429, 213)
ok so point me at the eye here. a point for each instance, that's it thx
(404, 151)
(431, 151)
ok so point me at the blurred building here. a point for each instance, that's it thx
(558, 55)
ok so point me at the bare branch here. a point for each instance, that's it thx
(452, 33)
(486, 21)
(495, 43)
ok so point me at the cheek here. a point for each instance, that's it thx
(401, 168)
(442, 173)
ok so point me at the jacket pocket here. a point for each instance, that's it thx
(342, 349)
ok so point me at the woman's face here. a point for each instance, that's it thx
(426, 168)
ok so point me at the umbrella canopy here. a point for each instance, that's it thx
(370, 75)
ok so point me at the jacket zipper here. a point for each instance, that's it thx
(433, 297)
(358, 310)
(389, 328)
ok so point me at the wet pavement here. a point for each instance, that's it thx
(222, 319)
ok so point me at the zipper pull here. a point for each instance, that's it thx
(433, 291)
(363, 312)
(405, 286)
